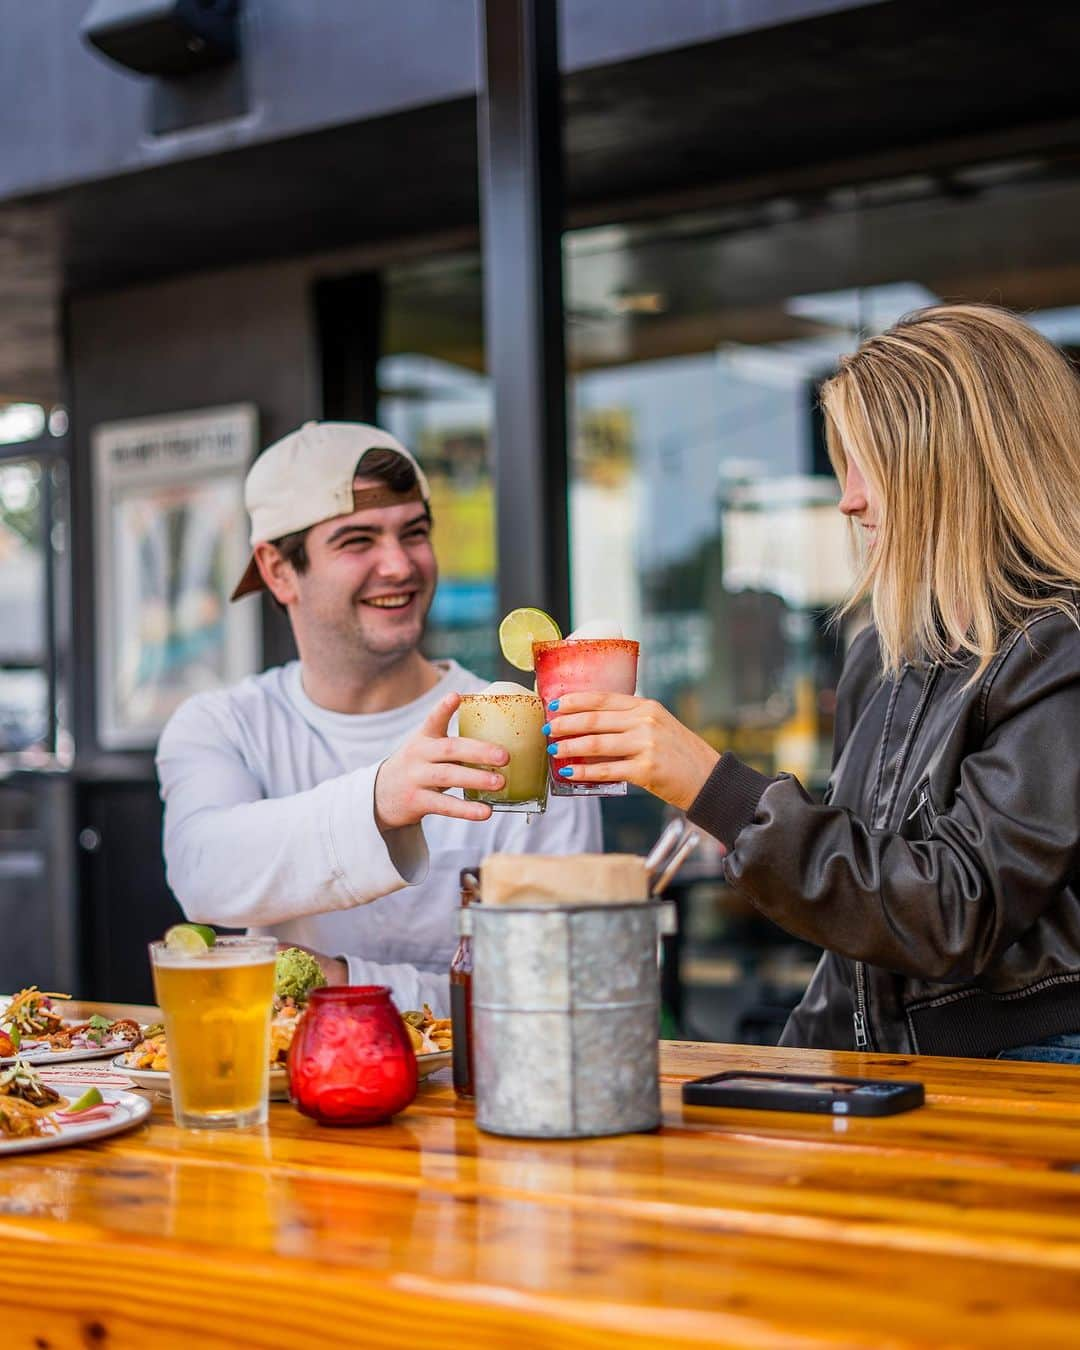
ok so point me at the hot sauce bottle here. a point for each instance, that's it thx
(461, 995)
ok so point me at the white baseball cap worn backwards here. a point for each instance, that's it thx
(307, 477)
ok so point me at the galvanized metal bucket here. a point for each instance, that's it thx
(566, 1016)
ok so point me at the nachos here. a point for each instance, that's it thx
(429, 1034)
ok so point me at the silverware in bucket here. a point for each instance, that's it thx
(677, 841)
(566, 1010)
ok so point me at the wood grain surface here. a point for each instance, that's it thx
(957, 1224)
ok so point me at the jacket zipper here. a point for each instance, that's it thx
(862, 1034)
(909, 735)
(861, 1015)
(924, 800)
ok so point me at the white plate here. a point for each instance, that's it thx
(44, 1055)
(131, 1109)
(157, 1080)
(438, 1059)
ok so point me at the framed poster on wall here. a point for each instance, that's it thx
(170, 545)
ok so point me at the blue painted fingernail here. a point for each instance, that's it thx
(553, 706)
(566, 772)
(545, 730)
(553, 749)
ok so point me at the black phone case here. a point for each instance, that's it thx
(885, 1098)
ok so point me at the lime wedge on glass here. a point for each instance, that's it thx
(189, 939)
(520, 629)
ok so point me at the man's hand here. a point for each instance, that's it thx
(336, 972)
(412, 783)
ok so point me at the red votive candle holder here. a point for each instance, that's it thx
(351, 1061)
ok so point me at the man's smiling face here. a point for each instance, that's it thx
(370, 579)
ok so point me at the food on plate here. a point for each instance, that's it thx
(296, 974)
(20, 1121)
(26, 1103)
(104, 1031)
(283, 1024)
(31, 1108)
(20, 1082)
(31, 1014)
(30, 1022)
(429, 1034)
(150, 1053)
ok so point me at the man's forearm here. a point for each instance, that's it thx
(270, 861)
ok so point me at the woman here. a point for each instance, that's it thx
(942, 874)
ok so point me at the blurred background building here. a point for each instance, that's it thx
(194, 262)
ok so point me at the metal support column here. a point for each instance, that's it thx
(520, 150)
(348, 317)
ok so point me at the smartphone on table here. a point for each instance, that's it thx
(803, 1092)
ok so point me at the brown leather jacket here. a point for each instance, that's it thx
(942, 872)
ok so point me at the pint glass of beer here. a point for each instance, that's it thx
(216, 1005)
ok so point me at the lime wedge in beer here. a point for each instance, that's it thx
(520, 629)
(189, 939)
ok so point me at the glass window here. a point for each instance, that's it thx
(33, 597)
(24, 657)
(434, 395)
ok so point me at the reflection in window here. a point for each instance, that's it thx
(24, 681)
(435, 397)
(21, 422)
(698, 522)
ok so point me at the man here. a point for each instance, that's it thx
(294, 800)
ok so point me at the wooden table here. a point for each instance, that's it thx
(958, 1224)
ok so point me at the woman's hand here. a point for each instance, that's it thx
(631, 739)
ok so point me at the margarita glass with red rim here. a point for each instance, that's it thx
(581, 665)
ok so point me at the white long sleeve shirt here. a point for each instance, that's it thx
(270, 825)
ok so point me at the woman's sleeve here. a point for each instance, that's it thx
(944, 908)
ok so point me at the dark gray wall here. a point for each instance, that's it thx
(69, 116)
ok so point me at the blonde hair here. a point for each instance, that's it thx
(965, 423)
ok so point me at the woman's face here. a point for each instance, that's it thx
(858, 501)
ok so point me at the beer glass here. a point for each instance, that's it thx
(216, 1006)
